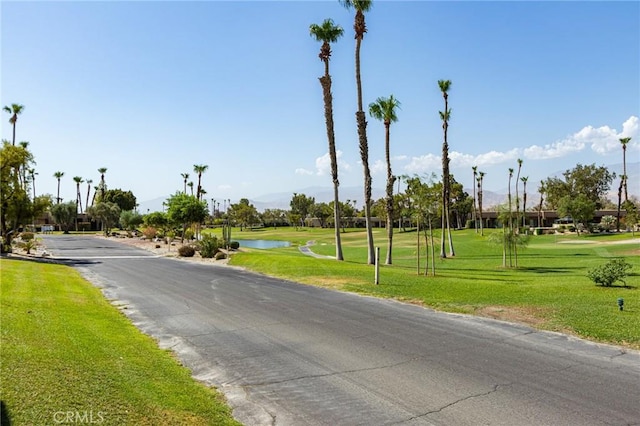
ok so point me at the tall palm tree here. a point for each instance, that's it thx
(78, 180)
(517, 195)
(327, 33)
(22, 170)
(445, 85)
(15, 110)
(89, 182)
(624, 142)
(473, 183)
(199, 169)
(508, 242)
(360, 28)
(32, 173)
(58, 175)
(480, 179)
(185, 176)
(524, 180)
(541, 190)
(103, 185)
(384, 109)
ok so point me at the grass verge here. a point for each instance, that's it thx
(68, 356)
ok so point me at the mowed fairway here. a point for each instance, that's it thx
(549, 289)
(69, 356)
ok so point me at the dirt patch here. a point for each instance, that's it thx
(519, 314)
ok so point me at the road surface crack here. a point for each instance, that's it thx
(451, 404)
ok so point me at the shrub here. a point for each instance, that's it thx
(609, 273)
(186, 251)
(27, 236)
(208, 246)
(150, 232)
(234, 245)
(27, 245)
(188, 234)
(220, 255)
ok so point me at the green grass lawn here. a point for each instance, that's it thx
(69, 356)
(549, 289)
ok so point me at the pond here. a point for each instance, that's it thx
(263, 244)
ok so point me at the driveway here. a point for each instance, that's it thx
(290, 354)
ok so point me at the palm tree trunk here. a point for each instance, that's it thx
(325, 82)
(418, 250)
(619, 203)
(364, 155)
(79, 197)
(433, 249)
(389, 200)
(624, 171)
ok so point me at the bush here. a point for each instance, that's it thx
(150, 232)
(188, 234)
(27, 236)
(220, 255)
(208, 246)
(234, 245)
(609, 273)
(186, 251)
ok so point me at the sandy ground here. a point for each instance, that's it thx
(165, 250)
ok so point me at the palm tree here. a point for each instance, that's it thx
(624, 142)
(78, 180)
(362, 6)
(22, 171)
(89, 182)
(15, 110)
(510, 217)
(480, 179)
(185, 176)
(32, 173)
(103, 186)
(190, 185)
(58, 175)
(517, 196)
(327, 33)
(384, 109)
(623, 179)
(199, 169)
(473, 183)
(446, 180)
(541, 190)
(524, 180)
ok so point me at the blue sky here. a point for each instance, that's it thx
(148, 89)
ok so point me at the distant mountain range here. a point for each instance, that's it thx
(281, 200)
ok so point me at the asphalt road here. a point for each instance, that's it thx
(290, 354)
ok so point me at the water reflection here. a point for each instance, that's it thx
(263, 244)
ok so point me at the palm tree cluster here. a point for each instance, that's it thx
(384, 110)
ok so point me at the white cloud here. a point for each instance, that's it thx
(602, 140)
(323, 164)
(423, 164)
(301, 171)
(630, 128)
(379, 167)
(554, 150)
(431, 162)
